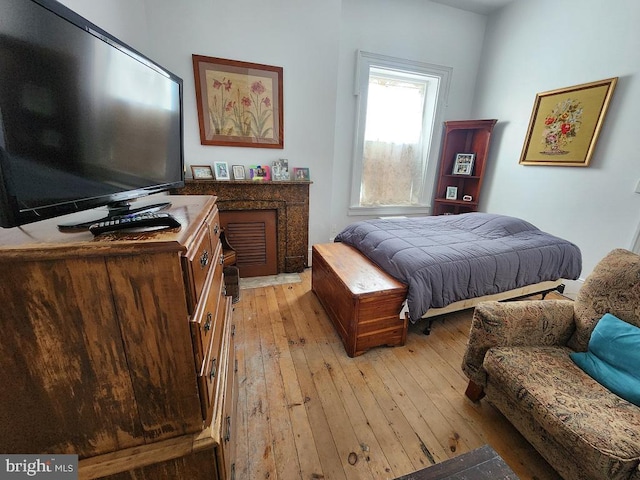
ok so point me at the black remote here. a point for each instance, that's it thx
(136, 221)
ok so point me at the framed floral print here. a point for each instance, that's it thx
(565, 124)
(239, 103)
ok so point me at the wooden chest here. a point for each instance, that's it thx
(362, 301)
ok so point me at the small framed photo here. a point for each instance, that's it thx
(259, 172)
(464, 164)
(280, 170)
(238, 172)
(452, 193)
(301, 174)
(222, 170)
(202, 172)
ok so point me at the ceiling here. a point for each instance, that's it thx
(483, 7)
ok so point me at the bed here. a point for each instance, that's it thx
(449, 259)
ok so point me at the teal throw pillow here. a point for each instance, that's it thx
(613, 357)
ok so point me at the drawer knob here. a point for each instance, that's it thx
(204, 259)
(212, 375)
(207, 324)
(227, 434)
(221, 259)
(233, 330)
(216, 229)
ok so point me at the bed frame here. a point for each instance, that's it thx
(542, 288)
(365, 304)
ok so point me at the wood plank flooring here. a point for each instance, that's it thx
(308, 411)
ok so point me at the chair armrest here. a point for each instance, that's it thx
(508, 324)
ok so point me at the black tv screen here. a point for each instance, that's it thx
(85, 120)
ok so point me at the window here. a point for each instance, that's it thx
(399, 104)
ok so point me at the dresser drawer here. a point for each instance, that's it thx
(212, 366)
(197, 264)
(204, 319)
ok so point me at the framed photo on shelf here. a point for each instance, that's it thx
(301, 174)
(452, 193)
(202, 172)
(463, 164)
(565, 124)
(259, 172)
(239, 103)
(280, 170)
(238, 172)
(222, 170)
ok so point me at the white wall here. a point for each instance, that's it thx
(124, 19)
(300, 36)
(532, 47)
(411, 29)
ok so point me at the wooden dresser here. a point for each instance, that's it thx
(119, 348)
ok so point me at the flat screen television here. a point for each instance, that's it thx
(85, 120)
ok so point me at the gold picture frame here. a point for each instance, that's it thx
(565, 124)
(202, 172)
(239, 103)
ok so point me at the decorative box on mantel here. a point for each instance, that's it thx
(289, 200)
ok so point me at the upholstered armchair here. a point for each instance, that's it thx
(519, 356)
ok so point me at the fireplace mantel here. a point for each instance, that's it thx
(290, 199)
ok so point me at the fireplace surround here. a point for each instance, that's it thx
(289, 199)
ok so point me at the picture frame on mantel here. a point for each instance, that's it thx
(239, 103)
(238, 172)
(301, 174)
(565, 124)
(202, 172)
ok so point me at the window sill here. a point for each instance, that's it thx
(385, 211)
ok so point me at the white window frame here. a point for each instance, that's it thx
(366, 60)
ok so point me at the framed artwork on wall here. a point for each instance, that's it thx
(239, 103)
(565, 124)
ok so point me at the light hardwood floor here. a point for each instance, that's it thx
(308, 411)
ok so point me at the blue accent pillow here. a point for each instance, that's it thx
(613, 357)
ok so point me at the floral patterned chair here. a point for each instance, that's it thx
(518, 355)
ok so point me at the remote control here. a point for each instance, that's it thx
(143, 220)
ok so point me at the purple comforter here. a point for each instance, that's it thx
(444, 259)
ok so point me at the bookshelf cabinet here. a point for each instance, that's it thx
(462, 137)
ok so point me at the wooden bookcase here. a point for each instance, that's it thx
(462, 136)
